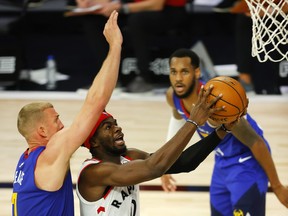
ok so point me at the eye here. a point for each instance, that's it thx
(172, 72)
(185, 72)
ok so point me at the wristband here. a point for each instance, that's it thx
(124, 9)
(225, 129)
(193, 122)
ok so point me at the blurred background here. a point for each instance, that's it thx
(31, 30)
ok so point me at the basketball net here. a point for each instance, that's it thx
(269, 30)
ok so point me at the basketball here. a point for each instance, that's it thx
(234, 98)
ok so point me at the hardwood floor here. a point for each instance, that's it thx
(144, 120)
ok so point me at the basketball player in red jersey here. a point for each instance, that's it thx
(143, 20)
(243, 163)
(107, 183)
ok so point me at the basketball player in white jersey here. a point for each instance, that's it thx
(107, 183)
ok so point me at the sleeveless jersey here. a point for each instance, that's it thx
(115, 202)
(230, 148)
(27, 199)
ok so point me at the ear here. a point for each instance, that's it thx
(197, 73)
(94, 143)
(41, 131)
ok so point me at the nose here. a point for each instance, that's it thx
(117, 128)
(178, 76)
(61, 126)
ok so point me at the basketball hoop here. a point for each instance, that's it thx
(269, 29)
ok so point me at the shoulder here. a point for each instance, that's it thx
(91, 171)
(135, 154)
(89, 162)
(169, 96)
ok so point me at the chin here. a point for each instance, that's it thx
(122, 150)
(181, 95)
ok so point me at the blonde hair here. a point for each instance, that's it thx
(29, 115)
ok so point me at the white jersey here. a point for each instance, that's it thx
(118, 201)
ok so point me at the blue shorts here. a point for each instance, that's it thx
(238, 189)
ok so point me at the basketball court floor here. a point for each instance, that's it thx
(144, 120)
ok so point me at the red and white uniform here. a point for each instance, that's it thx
(116, 201)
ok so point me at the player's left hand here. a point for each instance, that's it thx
(168, 183)
(282, 194)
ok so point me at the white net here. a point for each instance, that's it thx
(269, 29)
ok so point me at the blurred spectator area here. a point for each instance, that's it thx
(36, 32)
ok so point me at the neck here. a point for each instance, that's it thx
(191, 98)
(33, 144)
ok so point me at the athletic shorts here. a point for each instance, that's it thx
(239, 189)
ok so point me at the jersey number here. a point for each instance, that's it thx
(133, 208)
(14, 204)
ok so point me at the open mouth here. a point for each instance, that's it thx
(179, 87)
(119, 140)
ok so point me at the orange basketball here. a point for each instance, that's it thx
(234, 98)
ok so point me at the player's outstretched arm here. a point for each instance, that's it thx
(55, 158)
(101, 89)
(246, 134)
(193, 156)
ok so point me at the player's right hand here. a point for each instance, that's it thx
(112, 31)
(203, 109)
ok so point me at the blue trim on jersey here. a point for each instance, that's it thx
(31, 200)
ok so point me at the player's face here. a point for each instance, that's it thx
(110, 137)
(183, 76)
(51, 122)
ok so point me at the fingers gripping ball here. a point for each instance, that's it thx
(234, 98)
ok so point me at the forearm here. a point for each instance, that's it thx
(102, 86)
(163, 159)
(105, 81)
(264, 158)
(191, 158)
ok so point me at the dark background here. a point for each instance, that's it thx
(34, 34)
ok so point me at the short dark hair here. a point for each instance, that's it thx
(183, 52)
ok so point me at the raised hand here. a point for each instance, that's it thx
(112, 31)
(201, 111)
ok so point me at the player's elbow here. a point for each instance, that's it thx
(257, 143)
